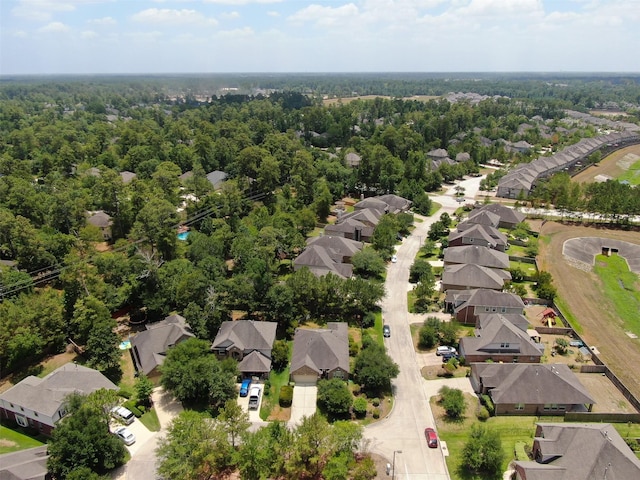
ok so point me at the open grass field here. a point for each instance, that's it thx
(616, 165)
(584, 300)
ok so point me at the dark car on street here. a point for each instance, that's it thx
(432, 437)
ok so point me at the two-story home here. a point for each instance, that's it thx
(149, 348)
(499, 340)
(39, 403)
(320, 353)
(570, 451)
(469, 233)
(466, 305)
(249, 342)
(508, 217)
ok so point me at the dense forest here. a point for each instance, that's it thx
(69, 148)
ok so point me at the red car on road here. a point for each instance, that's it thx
(432, 438)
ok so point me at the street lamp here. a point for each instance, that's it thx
(393, 476)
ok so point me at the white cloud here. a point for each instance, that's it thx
(230, 15)
(40, 10)
(273, 13)
(325, 16)
(172, 17)
(88, 34)
(102, 21)
(54, 27)
(235, 34)
(502, 7)
(20, 34)
(241, 2)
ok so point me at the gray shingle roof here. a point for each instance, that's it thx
(478, 255)
(483, 298)
(532, 384)
(150, 346)
(255, 362)
(46, 395)
(321, 349)
(474, 276)
(344, 246)
(506, 214)
(246, 335)
(496, 335)
(29, 464)
(99, 219)
(216, 177)
(321, 261)
(580, 451)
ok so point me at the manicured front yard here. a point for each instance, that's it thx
(270, 408)
(12, 440)
(150, 420)
(510, 428)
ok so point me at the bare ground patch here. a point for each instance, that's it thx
(581, 293)
(611, 166)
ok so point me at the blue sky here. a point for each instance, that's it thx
(193, 36)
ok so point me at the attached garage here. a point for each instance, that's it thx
(302, 379)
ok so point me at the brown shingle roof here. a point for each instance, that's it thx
(478, 255)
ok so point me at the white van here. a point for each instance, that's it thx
(254, 398)
(123, 414)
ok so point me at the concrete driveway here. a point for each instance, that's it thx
(142, 433)
(304, 403)
(254, 415)
(143, 463)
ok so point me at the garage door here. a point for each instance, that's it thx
(305, 379)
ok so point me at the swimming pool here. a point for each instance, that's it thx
(183, 235)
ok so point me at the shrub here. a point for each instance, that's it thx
(483, 414)
(375, 402)
(368, 320)
(267, 387)
(132, 407)
(360, 407)
(488, 403)
(376, 413)
(353, 347)
(125, 392)
(453, 402)
(286, 396)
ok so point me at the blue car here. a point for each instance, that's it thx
(244, 387)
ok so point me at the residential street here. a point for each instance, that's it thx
(403, 429)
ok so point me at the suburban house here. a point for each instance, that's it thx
(499, 340)
(352, 229)
(217, 178)
(483, 217)
(149, 348)
(509, 217)
(473, 235)
(466, 305)
(352, 160)
(320, 353)
(321, 261)
(568, 451)
(342, 248)
(369, 216)
(385, 203)
(517, 319)
(39, 403)
(469, 276)
(531, 388)
(476, 255)
(29, 464)
(127, 176)
(249, 342)
(101, 220)
(469, 233)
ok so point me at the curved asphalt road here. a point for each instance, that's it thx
(404, 428)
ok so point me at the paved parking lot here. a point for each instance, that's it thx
(304, 402)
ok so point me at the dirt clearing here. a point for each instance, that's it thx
(611, 166)
(582, 293)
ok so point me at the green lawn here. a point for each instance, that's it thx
(632, 175)
(517, 251)
(12, 440)
(150, 420)
(511, 430)
(529, 269)
(277, 380)
(622, 287)
(571, 318)
(435, 206)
